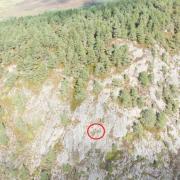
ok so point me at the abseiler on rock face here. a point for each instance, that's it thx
(67, 71)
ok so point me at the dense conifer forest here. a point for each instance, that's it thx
(80, 40)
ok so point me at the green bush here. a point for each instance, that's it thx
(161, 120)
(113, 155)
(138, 130)
(169, 95)
(100, 69)
(133, 92)
(144, 78)
(125, 98)
(173, 89)
(134, 96)
(44, 175)
(140, 102)
(79, 94)
(171, 105)
(120, 56)
(66, 168)
(148, 118)
(130, 98)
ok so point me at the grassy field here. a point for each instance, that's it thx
(31, 7)
(5, 5)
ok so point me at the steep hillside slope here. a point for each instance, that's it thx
(116, 65)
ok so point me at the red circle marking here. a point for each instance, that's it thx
(96, 124)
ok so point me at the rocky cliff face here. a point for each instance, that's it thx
(44, 138)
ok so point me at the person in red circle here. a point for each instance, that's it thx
(96, 131)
